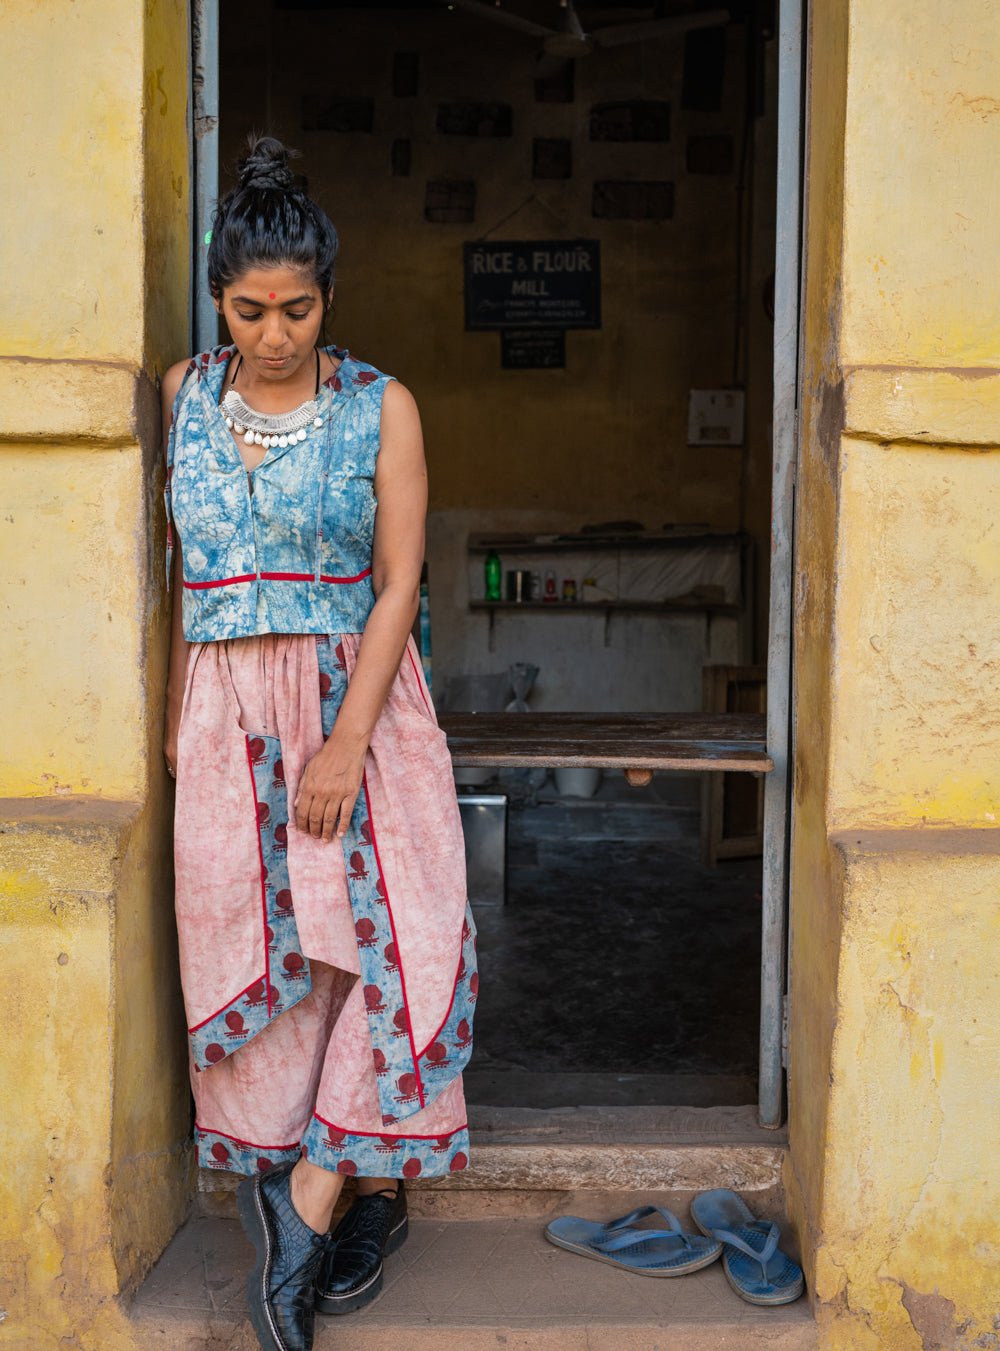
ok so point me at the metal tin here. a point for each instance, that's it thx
(518, 584)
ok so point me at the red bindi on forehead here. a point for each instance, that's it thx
(271, 295)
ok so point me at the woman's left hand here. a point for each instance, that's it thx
(329, 788)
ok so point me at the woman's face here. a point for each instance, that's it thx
(275, 315)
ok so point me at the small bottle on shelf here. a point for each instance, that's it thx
(493, 572)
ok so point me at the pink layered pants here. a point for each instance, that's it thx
(329, 986)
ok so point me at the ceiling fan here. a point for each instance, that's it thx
(570, 40)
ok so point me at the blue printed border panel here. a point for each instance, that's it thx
(340, 1151)
(286, 977)
(449, 1049)
(408, 1078)
(364, 1155)
(226, 1154)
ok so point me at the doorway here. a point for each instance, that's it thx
(632, 455)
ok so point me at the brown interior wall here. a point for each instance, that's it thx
(606, 437)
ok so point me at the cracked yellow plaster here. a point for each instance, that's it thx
(95, 1133)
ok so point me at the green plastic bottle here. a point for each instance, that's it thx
(493, 575)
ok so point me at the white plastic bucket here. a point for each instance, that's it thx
(577, 781)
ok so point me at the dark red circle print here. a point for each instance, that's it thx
(347, 1166)
(459, 1162)
(411, 1168)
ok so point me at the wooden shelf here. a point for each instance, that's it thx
(608, 606)
(577, 543)
(731, 742)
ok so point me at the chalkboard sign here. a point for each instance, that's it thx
(534, 284)
(532, 349)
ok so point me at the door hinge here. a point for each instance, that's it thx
(784, 1032)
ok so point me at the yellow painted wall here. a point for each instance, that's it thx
(94, 255)
(917, 621)
(97, 1167)
(909, 1251)
(895, 1020)
(74, 581)
(73, 165)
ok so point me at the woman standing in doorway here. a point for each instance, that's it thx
(327, 949)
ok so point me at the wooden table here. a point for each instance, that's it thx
(637, 743)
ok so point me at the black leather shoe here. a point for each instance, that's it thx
(281, 1288)
(351, 1273)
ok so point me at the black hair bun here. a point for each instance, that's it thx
(269, 220)
(266, 166)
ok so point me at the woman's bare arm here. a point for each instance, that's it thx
(332, 779)
(178, 647)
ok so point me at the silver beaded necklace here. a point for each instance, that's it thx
(270, 429)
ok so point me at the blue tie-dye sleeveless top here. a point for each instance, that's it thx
(286, 548)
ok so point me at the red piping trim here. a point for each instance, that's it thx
(277, 577)
(224, 581)
(399, 956)
(377, 1135)
(310, 576)
(420, 684)
(225, 1006)
(451, 1005)
(263, 884)
(210, 1130)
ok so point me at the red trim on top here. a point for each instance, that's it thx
(451, 1002)
(263, 883)
(223, 581)
(377, 1135)
(210, 1130)
(309, 576)
(420, 683)
(276, 577)
(399, 955)
(226, 1006)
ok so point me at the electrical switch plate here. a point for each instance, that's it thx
(715, 417)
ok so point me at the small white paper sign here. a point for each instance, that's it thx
(715, 417)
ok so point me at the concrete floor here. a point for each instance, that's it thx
(620, 970)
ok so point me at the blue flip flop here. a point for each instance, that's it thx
(755, 1266)
(647, 1252)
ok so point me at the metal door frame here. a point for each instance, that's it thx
(778, 784)
(205, 163)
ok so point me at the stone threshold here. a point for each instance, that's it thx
(473, 1286)
(536, 1156)
(489, 1084)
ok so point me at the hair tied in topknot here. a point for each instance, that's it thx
(266, 167)
(269, 220)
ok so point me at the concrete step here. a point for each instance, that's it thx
(471, 1286)
(493, 1082)
(526, 1161)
